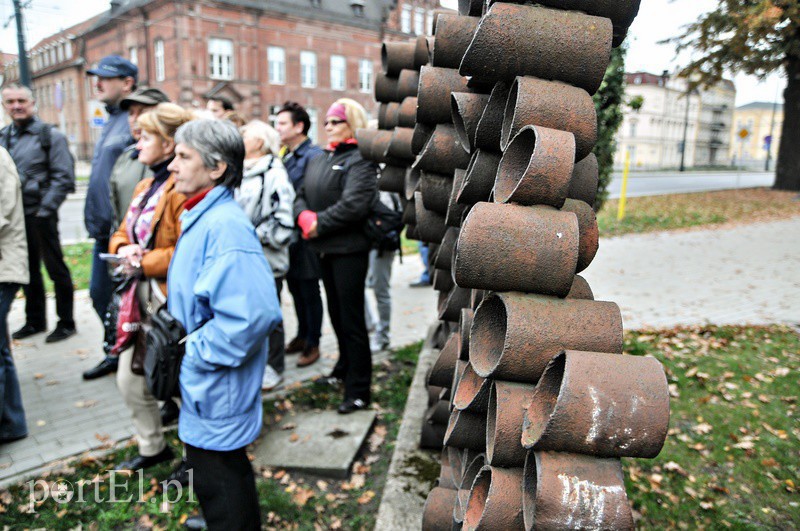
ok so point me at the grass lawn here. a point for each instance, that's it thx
(78, 258)
(288, 500)
(667, 212)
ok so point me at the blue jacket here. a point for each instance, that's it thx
(220, 287)
(295, 161)
(116, 136)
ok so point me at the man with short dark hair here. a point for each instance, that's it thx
(292, 124)
(47, 174)
(219, 106)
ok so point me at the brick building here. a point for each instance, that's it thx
(257, 53)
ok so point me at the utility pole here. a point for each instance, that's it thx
(771, 129)
(24, 71)
(685, 130)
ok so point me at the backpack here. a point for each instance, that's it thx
(384, 224)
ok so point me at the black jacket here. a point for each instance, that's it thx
(341, 187)
(46, 175)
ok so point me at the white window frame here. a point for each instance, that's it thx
(419, 21)
(365, 69)
(158, 53)
(312, 130)
(405, 19)
(68, 50)
(220, 58)
(338, 72)
(429, 23)
(133, 55)
(308, 69)
(276, 65)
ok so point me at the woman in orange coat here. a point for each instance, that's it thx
(145, 243)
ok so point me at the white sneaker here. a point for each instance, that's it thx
(271, 379)
(379, 345)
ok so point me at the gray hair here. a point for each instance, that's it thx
(271, 140)
(17, 86)
(215, 141)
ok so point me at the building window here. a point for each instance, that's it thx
(133, 54)
(365, 75)
(338, 72)
(59, 54)
(68, 50)
(419, 21)
(429, 23)
(276, 64)
(220, 58)
(159, 53)
(52, 56)
(405, 19)
(632, 129)
(312, 130)
(308, 69)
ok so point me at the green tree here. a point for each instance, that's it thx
(756, 37)
(608, 102)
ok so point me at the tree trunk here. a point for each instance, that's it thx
(787, 170)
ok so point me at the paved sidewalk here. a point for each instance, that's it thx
(744, 274)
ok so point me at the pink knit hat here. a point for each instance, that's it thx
(337, 110)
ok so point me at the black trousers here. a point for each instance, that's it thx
(308, 306)
(277, 347)
(226, 488)
(344, 277)
(44, 245)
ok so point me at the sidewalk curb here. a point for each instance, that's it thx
(403, 499)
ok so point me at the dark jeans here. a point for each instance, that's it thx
(277, 340)
(44, 246)
(12, 415)
(226, 488)
(308, 306)
(100, 286)
(344, 277)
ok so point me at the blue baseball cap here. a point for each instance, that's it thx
(114, 66)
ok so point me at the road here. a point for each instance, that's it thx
(639, 184)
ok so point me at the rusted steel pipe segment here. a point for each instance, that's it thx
(472, 8)
(600, 404)
(388, 118)
(621, 13)
(411, 232)
(422, 53)
(432, 435)
(575, 48)
(450, 309)
(466, 429)
(477, 298)
(496, 500)
(570, 491)
(392, 179)
(457, 373)
(437, 515)
(400, 144)
(380, 148)
(407, 84)
(410, 215)
(455, 212)
(507, 404)
(447, 478)
(442, 370)
(407, 115)
(515, 335)
(589, 232)
(422, 132)
(439, 413)
(490, 125)
(466, 110)
(472, 392)
(580, 289)
(584, 182)
(464, 325)
(411, 183)
(435, 189)
(382, 115)
(365, 137)
(442, 153)
(433, 96)
(455, 458)
(479, 179)
(473, 463)
(444, 257)
(430, 225)
(386, 88)
(395, 56)
(536, 167)
(433, 392)
(442, 280)
(533, 101)
(545, 265)
(453, 35)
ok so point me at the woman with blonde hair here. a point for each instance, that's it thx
(331, 209)
(145, 242)
(267, 196)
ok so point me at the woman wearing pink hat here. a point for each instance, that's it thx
(331, 208)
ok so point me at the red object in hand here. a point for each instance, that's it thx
(305, 221)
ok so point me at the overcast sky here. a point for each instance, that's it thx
(657, 20)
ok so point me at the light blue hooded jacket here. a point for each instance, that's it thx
(221, 288)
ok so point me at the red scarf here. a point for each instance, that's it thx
(199, 196)
(333, 145)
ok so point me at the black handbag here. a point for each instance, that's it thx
(164, 353)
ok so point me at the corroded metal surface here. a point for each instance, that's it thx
(583, 185)
(442, 280)
(422, 53)
(392, 179)
(477, 298)
(433, 97)
(453, 35)
(487, 135)
(387, 117)
(422, 132)
(536, 167)
(439, 413)
(411, 183)
(479, 179)
(589, 232)
(437, 515)
(400, 144)
(466, 429)
(444, 257)
(442, 370)
(430, 225)
(410, 214)
(473, 461)
(600, 404)
(472, 392)
(464, 325)
(407, 115)
(580, 289)
(450, 309)
(495, 500)
(395, 56)
(576, 49)
(385, 88)
(466, 110)
(473, 8)
(432, 435)
(546, 264)
(365, 138)
(507, 404)
(570, 491)
(515, 335)
(435, 189)
(455, 212)
(442, 153)
(407, 84)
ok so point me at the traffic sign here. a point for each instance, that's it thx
(743, 133)
(97, 114)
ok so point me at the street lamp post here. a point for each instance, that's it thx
(685, 131)
(24, 72)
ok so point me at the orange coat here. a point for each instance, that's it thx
(167, 214)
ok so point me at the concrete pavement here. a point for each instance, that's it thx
(743, 274)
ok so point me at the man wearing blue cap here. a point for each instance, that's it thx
(115, 80)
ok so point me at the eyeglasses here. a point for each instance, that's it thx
(334, 123)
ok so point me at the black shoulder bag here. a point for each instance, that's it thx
(165, 349)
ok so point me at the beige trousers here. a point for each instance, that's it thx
(144, 407)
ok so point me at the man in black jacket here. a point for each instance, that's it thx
(47, 173)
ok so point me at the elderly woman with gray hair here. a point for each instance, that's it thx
(228, 318)
(267, 196)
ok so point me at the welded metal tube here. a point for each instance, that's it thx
(392, 179)
(430, 225)
(442, 371)
(479, 179)
(584, 182)
(433, 97)
(435, 189)
(466, 110)
(455, 211)
(437, 515)
(589, 232)
(453, 35)
(496, 500)
(487, 135)
(443, 153)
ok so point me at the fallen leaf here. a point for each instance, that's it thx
(769, 462)
(706, 505)
(321, 485)
(289, 426)
(301, 496)
(294, 437)
(38, 376)
(85, 403)
(366, 497)
(702, 428)
(40, 423)
(279, 474)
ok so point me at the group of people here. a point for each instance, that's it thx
(207, 218)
